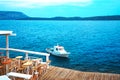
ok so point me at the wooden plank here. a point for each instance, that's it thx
(57, 73)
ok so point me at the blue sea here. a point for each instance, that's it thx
(94, 46)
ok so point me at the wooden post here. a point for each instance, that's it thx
(7, 46)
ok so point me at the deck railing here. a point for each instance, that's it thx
(10, 33)
(27, 52)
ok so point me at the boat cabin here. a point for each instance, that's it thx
(58, 48)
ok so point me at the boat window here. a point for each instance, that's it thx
(56, 49)
(60, 48)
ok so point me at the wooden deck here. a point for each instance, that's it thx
(57, 73)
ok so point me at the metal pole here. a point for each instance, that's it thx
(7, 46)
(47, 58)
(26, 57)
(7, 51)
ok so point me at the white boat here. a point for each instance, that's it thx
(58, 51)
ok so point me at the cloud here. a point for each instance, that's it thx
(42, 3)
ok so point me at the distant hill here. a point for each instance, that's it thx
(13, 15)
(112, 17)
(115, 17)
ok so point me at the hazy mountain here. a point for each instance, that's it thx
(13, 15)
(112, 17)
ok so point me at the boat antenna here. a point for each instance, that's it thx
(57, 44)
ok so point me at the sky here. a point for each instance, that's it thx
(65, 8)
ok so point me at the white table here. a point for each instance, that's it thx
(4, 77)
(20, 75)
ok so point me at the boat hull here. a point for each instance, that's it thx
(60, 55)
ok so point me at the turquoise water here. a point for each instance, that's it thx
(94, 45)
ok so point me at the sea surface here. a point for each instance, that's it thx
(94, 46)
